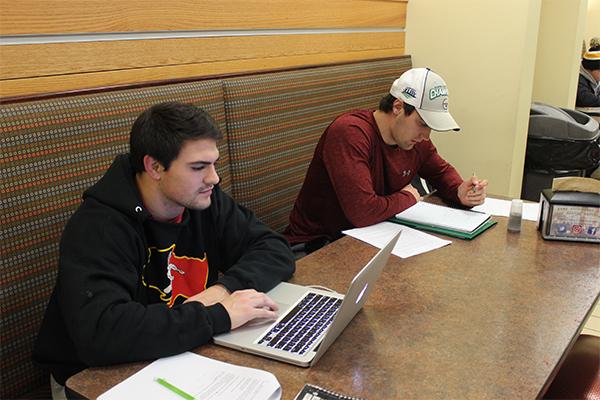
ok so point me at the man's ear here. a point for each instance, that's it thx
(152, 167)
(397, 107)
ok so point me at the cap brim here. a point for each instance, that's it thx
(439, 120)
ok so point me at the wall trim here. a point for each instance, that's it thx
(13, 40)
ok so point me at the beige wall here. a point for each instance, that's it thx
(592, 28)
(486, 52)
(562, 29)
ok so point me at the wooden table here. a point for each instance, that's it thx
(490, 318)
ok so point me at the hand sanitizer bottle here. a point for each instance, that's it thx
(515, 216)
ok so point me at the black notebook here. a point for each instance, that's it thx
(312, 392)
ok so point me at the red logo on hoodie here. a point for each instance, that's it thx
(187, 276)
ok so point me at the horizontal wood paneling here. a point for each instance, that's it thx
(72, 66)
(20, 17)
(63, 58)
(366, 29)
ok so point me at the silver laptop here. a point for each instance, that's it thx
(310, 319)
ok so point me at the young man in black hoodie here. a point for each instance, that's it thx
(157, 259)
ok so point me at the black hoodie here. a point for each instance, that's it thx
(104, 309)
(588, 90)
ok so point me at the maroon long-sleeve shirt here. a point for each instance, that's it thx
(356, 180)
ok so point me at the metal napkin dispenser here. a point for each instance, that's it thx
(571, 216)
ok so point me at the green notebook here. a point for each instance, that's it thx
(464, 224)
(445, 231)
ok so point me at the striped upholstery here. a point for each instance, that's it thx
(275, 120)
(53, 150)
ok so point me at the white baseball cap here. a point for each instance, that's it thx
(427, 92)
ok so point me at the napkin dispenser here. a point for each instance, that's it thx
(570, 215)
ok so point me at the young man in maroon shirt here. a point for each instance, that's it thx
(365, 161)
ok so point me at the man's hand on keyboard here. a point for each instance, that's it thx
(246, 305)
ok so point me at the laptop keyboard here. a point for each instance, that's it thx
(303, 324)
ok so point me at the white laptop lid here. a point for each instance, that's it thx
(286, 295)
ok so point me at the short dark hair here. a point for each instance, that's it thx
(162, 129)
(386, 104)
(591, 65)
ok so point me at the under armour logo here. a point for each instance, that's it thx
(406, 172)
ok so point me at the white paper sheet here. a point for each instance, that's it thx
(531, 211)
(502, 208)
(494, 207)
(410, 243)
(201, 377)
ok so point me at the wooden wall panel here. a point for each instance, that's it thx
(95, 47)
(77, 16)
(64, 58)
(71, 82)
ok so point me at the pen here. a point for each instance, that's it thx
(429, 194)
(174, 389)
(474, 186)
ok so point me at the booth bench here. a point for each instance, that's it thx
(54, 147)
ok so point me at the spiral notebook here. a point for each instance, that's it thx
(464, 224)
(312, 392)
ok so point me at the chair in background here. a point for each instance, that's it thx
(579, 376)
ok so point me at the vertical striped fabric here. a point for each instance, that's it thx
(52, 150)
(275, 120)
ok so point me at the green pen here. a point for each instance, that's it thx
(174, 389)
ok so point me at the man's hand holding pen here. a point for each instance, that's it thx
(471, 192)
